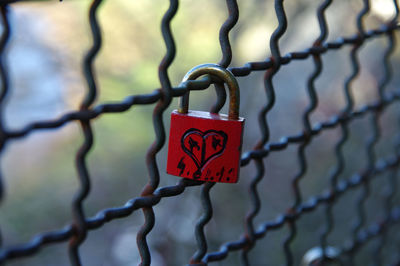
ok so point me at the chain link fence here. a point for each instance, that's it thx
(374, 217)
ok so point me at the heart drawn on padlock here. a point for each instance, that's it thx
(203, 147)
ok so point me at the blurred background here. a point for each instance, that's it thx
(45, 53)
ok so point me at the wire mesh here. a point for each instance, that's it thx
(76, 232)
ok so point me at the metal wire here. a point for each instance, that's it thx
(152, 194)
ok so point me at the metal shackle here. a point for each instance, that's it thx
(223, 74)
(318, 256)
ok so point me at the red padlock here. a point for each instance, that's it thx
(206, 146)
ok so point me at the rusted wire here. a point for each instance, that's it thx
(79, 223)
(4, 86)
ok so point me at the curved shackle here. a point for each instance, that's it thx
(223, 74)
(319, 256)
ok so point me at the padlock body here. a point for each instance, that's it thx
(205, 146)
